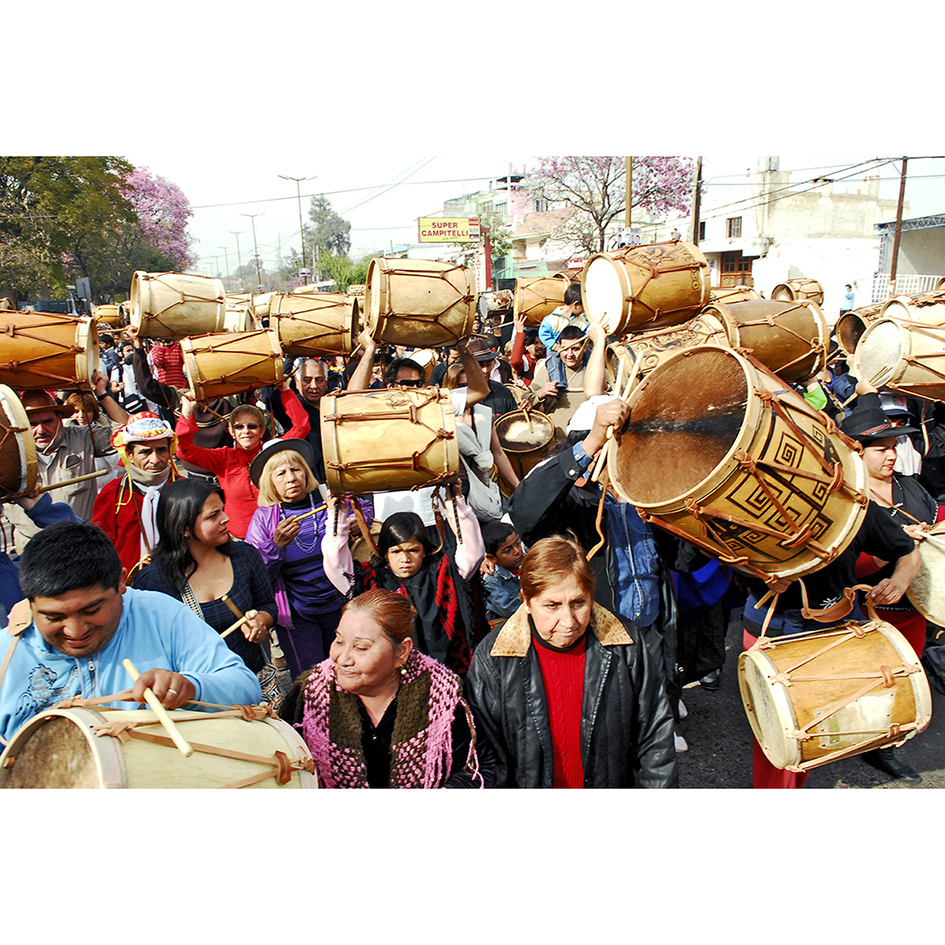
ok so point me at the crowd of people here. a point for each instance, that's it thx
(502, 630)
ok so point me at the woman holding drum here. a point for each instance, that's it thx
(197, 562)
(447, 624)
(287, 530)
(230, 464)
(378, 713)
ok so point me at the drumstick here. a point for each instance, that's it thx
(70, 482)
(298, 518)
(239, 623)
(236, 611)
(162, 714)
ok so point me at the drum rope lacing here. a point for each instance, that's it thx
(279, 766)
(441, 276)
(17, 331)
(651, 273)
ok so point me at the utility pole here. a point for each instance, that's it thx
(239, 259)
(629, 194)
(298, 193)
(696, 199)
(226, 258)
(895, 250)
(252, 217)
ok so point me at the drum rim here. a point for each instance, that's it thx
(520, 414)
(26, 445)
(766, 668)
(109, 761)
(615, 324)
(920, 603)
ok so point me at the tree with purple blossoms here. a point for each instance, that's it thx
(594, 189)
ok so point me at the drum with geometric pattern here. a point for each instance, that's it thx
(722, 453)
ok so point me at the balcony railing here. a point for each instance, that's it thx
(910, 284)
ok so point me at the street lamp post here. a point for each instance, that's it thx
(226, 258)
(252, 217)
(298, 194)
(239, 259)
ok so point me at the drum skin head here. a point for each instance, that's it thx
(927, 591)
(879, 351)
(686, 419)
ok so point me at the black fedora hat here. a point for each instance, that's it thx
(302, 447)
(872, 423)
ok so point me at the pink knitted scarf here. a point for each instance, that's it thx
(422, 745)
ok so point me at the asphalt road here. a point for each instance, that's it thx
(719, 738)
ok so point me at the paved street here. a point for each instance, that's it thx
(719, 739)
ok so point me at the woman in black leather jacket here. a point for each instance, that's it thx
(562, 693)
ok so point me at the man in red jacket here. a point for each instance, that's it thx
(125, 508)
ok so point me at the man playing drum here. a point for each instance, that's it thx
(80, 621)
(126, 507)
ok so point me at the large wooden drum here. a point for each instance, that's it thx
(727, 456)
(813, 698)
(315, 323)
(18, 461)
(73, 748)
(789, 338)
(108, 317)
(419, 303)
(176, 304)
(538, 296)
(795, 289)
(929, 309)
(644, 287)
(733, 293)
(388, 439)
(905, 357)
(712, 326)
(39, 350)
(220, 365)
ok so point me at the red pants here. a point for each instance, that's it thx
(763, 773)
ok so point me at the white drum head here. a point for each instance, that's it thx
(604, 293)
(927, 591)
(879, 351)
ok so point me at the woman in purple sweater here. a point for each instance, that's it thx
(290, 545)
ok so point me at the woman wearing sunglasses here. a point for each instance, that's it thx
(230, 464)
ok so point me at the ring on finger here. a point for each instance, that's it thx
(172, 692)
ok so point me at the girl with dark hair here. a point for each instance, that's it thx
(447, 625)
(197, 561)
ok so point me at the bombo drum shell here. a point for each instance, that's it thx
(176, 304)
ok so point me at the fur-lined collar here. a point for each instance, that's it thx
(515, 637)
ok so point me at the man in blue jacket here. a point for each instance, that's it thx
(80, 621)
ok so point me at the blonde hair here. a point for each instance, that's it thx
(451, 378)
(267, 492)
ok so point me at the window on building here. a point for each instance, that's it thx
(541, 205)
(733, 227)
(735, 269)
(702, 230)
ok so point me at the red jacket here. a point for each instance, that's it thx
(121, 523)
(230, 464)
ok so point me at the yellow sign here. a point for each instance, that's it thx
(448, 229)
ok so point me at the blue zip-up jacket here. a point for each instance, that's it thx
(155, 632)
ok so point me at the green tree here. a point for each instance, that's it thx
(329, 233)
(500, 238)
(53, 212)
(343, 271)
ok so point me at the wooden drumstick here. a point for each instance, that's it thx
(239, 623)
(236, 611)
(298, 518)
(162, 713)
(70, 482)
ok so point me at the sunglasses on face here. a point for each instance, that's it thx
(416, 383)
(245, 426)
